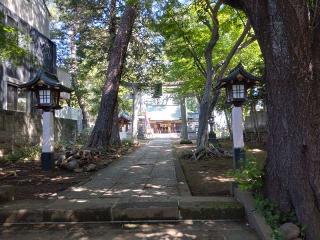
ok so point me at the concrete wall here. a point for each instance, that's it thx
(20, 129)
(64, 77)
(260, 121)
(256, 127)
(34, 12)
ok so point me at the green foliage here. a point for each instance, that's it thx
(184, 141)
(26, 153)
(250, 176)
(127, 143)
(157, 90)
(91, 20)
(274, 217)
(9, 43)
(183, 27)
(82, 139)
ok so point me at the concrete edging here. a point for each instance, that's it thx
(183, 186)
(109, 210)
(255, 219)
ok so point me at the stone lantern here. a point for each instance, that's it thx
(236, 84)
(47, 90)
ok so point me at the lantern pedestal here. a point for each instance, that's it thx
(237, 136)
(47, 158)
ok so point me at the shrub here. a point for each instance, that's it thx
(274, 217)
(185, 141)
(249, 177)
(25, 153)
(83, 137)
(127, 142)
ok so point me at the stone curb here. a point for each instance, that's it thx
(255, 219)
(183, 186)
(105, 210)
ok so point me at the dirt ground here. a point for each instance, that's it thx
(209, 177)
(32, 183)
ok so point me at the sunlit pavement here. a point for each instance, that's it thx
(205, 230)
(148, 172)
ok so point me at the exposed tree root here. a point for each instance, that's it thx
(210, 151)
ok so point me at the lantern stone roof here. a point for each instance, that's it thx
(45, 78)
(124, 116)
(238, 74)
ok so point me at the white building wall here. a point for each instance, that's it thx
(71, 113)
(64, 77)
(34, 12)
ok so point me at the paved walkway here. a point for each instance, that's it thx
(148, 172)
(206, 230)
(142, 186)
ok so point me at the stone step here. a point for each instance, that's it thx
(7, 193)
(113, 209)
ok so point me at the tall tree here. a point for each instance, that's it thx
(211, 45)
(72, 33)
(289, 35)
(73, 20)
(100, 136)
(184, 120)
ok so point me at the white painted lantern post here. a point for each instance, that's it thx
(236, 84)
(46, 88)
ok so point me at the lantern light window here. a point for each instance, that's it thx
(44, 97)
(238, 91)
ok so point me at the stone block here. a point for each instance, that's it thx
(21, 216)
(213, 210)
(255, 219)
(25, 211)
(79, 210)
(7, 193)
(128, 211)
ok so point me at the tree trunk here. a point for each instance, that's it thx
(112, 29)
(291, 55)
(228, 120)
(115, 135)
(100, 136)
(184, 120)
(112, 25)
(74, 73)
(207, 109)
(202, 138)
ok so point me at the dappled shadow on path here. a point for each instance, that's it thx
(133, 231)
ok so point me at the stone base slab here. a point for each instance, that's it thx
(108, 210)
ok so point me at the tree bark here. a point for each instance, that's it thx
(290, 46)
(202, 137)
(112, 25)
(115, 135)
(184, 120)
(204, 115)
(100, 136)
(228, 120)
(74, 73)
(112, 29)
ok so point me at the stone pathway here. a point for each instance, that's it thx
(145, 185)
(146, 173)
(204, 230)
